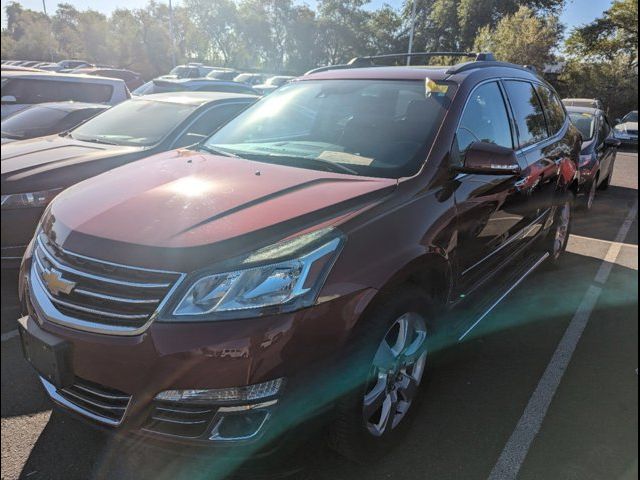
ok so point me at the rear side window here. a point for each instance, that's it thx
(32, 91)
(528, 113)
(553, 108)
(485, 119)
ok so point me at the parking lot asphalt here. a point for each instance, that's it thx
(545, 388)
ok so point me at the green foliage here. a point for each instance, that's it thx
(523, 38)
(614, 82)
(607, 37)
(286, 36)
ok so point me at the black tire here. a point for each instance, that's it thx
(349, 435)
(551, 245)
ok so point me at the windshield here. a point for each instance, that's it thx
(630, 117)
(33, 119)
(134, 122)
(585, 123)
(361, 127)
(184, 72)
(144, 89)
(277, 81)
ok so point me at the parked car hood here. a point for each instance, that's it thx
(183, 200)
(55, 161)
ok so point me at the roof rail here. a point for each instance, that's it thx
(463, 67)
(368, 61)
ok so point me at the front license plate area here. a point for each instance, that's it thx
(49, 355)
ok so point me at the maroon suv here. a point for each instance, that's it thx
(302, 261)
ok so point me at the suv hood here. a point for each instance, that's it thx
(54, 161)
(185, 200)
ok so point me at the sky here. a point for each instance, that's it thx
(576, 12)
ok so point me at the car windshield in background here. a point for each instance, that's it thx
(630, 117)
(134, 122)
(222, 75)
(361, 127)
(37, 118)
(184, 72)
(585, 123)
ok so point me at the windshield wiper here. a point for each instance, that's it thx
(96, 140)
(216, 151)
(330, 166)
(340, 166)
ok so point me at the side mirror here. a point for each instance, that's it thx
(490, 159)
(612, 142)
(617, 121)
(8, 99)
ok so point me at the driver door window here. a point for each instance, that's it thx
(485, 119)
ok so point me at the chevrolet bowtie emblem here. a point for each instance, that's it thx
(56, 284)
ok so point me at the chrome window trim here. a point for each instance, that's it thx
(521, 151)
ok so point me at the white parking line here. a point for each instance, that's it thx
(9, 335)
(517, 447)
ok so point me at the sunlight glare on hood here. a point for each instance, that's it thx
(191, 186)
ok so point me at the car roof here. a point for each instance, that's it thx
(195, 98)
(422, 72)
(60, 77)
(201, 80)
(589, 110)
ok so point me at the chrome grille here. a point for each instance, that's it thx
(173, 418)
(107, 403)
(100, 292)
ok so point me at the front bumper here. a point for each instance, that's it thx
(299, 347)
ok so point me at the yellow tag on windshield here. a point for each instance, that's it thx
(431, 87)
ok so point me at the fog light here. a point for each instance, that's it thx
(232, 394)
(240, 426)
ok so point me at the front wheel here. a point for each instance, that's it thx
(392, 359)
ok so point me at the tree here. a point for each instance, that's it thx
(217, 20)
(385, 34)
(613, 82)
(454, 24)
(522, 38)
(614, 34)
(342, 26)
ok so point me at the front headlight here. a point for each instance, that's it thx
(29, 200)
(290, 283)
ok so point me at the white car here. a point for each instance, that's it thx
(626, 129)
(272, 83)
(23, 89)
(583, 102)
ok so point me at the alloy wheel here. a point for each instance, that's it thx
(396, 373)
